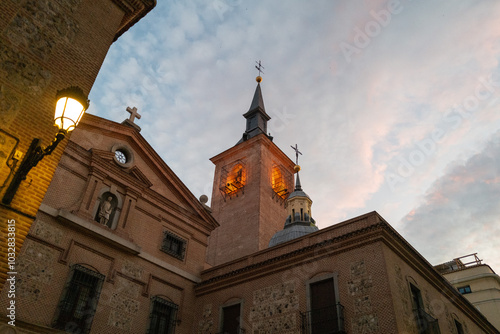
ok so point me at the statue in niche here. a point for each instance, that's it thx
(105, 211)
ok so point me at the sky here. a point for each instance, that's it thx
(395, 105)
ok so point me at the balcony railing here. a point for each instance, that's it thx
(426, 324)
(328, 320)
(238, 331)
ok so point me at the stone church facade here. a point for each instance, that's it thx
(120, 245)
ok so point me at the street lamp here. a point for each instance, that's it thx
(71, 104)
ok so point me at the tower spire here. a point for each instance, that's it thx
(256, 116)
(257, 101)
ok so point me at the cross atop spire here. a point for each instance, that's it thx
(133, 114)
(297, 152)
(259, 67)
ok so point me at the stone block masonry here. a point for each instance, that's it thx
(274, 309)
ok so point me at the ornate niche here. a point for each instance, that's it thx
(107, 209)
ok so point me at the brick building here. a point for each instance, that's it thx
(46, 46)
(120, 245)
(117, 239)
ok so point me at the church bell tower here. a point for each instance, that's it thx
(251, 184)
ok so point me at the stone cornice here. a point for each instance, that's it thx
(312, 251)
(263, 139)
(111, 239)
(169, 267)
(354, 233)
(134, 10)
(89, 227)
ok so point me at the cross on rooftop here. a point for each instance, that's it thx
(297, 152)
(259, 67)
(133, 114)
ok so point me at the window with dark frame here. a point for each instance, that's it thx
(173, 245)
(231, 319)
(163, 316)
(323, 316)
(460, 329)
(464, 289)
(426, 324)
(78, 303)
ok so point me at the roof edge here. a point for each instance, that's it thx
(134, 10)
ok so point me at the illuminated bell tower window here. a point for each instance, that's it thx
(281, 182)
(233, 179)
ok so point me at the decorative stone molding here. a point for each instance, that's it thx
(206, 324)
(131, 269)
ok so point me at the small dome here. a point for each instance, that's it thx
(292, 232)
(298, 193)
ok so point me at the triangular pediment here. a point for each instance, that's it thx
(106, 160)
(144, 172)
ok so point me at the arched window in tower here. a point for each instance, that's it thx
(233, 178)
(281, 182)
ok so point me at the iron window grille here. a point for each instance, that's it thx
(426, 324)
(238, 331)
(327, 320)
(163, 316)
(173, 245)
(78, 304)
(281, 182)
(233, 179)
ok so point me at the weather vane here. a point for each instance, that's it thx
(259, 67)
(297, 152)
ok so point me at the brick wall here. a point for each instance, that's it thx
(371, 266)
(251, 216)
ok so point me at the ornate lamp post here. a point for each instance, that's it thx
(71, 104)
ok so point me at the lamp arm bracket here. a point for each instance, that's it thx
(49, 149)
(33, 156)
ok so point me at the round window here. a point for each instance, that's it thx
(124, 156)
(121, 157)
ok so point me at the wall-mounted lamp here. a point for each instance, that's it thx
(71, 104)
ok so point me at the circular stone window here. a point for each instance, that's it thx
(123, 155)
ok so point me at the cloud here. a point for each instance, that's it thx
(188, 67)
(460, 213)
